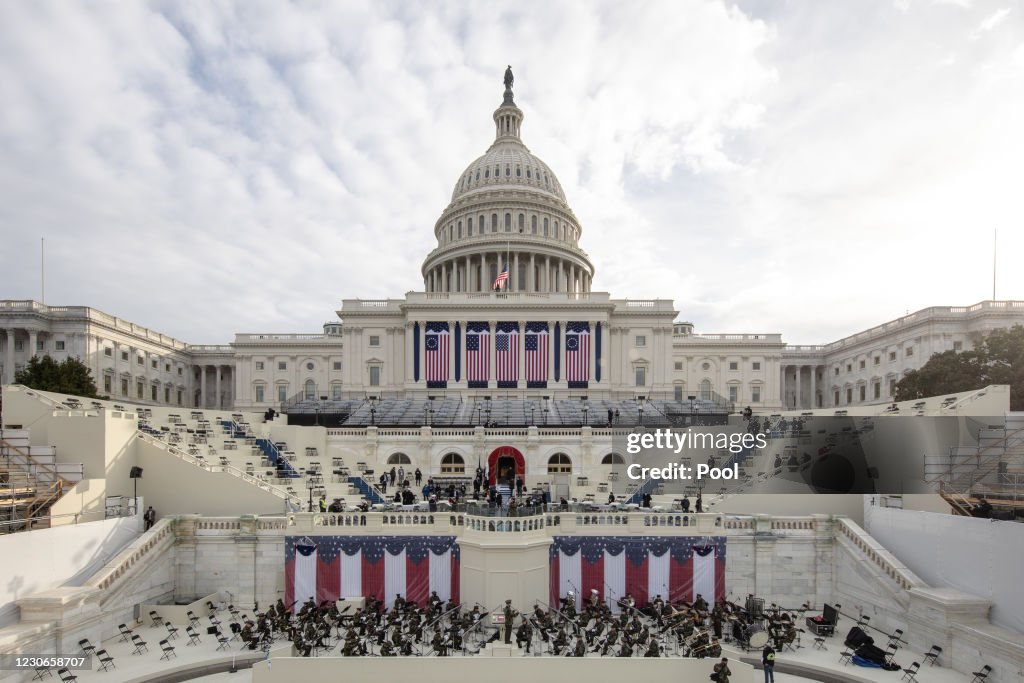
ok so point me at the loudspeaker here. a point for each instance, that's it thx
(135, 473)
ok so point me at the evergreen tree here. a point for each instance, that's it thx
(71, 376)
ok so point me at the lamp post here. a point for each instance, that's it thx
(478, 409)
(310, 484)
(531, 415)
(640, 413)
(585, 413)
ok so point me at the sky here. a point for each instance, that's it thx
(210, 168)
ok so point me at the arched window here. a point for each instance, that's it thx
(533, 224)
(705, 390)
(613, 459)
(452, 463)
(494, 222)
(487, 173)
(522, 222)
(478, 175)
(545, 226)
(528, 173)
(508, 222)
(559, 463)
(508, 171)
(459, 233)
(449, 233)
(399, 459)
(469, 226)
(555, 233)
(519, 172)
(310, 390)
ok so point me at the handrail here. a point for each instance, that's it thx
(879, 556)
(160, 535)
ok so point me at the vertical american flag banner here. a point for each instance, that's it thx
(577, 354)
(436, 340)
(335, 567)
(506, 355)
(537, 353)
(478, 354)
(677, 568)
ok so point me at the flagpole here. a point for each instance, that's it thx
(42, 270)
(508, 264)
(995, 243)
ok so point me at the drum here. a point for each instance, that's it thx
(757, 637)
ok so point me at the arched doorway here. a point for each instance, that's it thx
(505, 463)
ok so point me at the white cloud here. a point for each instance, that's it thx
(211, 168)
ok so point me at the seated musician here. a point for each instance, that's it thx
(561, 641)
(700, 604)
(524, 634)
(580, 648)
(594, 600)
(653, 650)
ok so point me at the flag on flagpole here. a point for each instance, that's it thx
(577, 354)
(338, 567)
(501, 279)
(676, 568)
(436, 345)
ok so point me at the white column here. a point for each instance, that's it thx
(782, 384)
(8, 377)
(799, 398)
(814, 387)
(32, 337)
(531, 282)
(216, 398)
(202, 386)
(444, 277)
(560, 283)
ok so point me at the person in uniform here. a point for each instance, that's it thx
(652, 649)
(524, 635)
(510, 615)
(721, 671)
(580, 649)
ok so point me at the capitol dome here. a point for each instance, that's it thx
(508, 211)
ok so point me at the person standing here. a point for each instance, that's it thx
(149, 517)
(768, 663)
(510, 615)
(419, 477)
(721, 671)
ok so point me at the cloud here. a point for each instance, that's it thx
(211, 168)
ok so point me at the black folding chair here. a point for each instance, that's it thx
(910, 673)
(126, 633)
(980, 676)
(193, 637)
(932, 655)
(223, 641)
(172, 631)
(168, 650)
(105, 660)
(193, 620)
(66, 676)
(155, 617)
(845, 656)
(87, 647)
(140, 645)
(41, 673)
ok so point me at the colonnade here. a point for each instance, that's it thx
(476, 273)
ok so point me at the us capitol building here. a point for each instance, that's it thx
(545, 334)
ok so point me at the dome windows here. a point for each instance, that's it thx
(528, 174)
(478, 175)
(459, 233)
(494, 222)
(487, 173)
(545, 226)
(508, 222)
(522, 223)
(508, 171)
(533, 224)
(469, 226)
(519, 172)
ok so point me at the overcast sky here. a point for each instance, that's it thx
(809, 168)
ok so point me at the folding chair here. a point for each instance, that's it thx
(106, 661)
(172, 631)
(87, 647)
(980, 676)
(168, 650)
(66, 676)
(933, 655)
(126, 633)
(223, 641)
(193, 620)
(155, 617)
(193, 637)
(140, 645)
(897, 637)
(819, 643)
(845, 656)
(910, 673)
(41, 673)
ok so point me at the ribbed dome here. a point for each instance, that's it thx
(508, 163)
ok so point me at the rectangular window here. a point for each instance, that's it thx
(836, 373)
(849, 367)
(108, 352)
(124, 387)
(154, 363)
(259, 365)
(892, 387)
(336, 392)
(641, 376)
(863, 392)
(957, 346)
(756, 365)
(152, 393)
(124, 355)
(179, 373)
(878, 390)
(19, 345)
(40, 345)
(282, 393)
(677, 392)
(167, 368)
(892, 355)
(139, 390)
(374, 340)
(734, 393)
(849, 395)
(910, 351)
(139, 360)
(755, 394)
(259, 393)
(641, 340)
(734, 365)
(679, 365)
(167, 394)
(836, 397)
(106, 383)
(878, 359)
(59, 345)
(337, 365)
(179, 397)
(282, 365)
(374, 376)
(862, 364)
